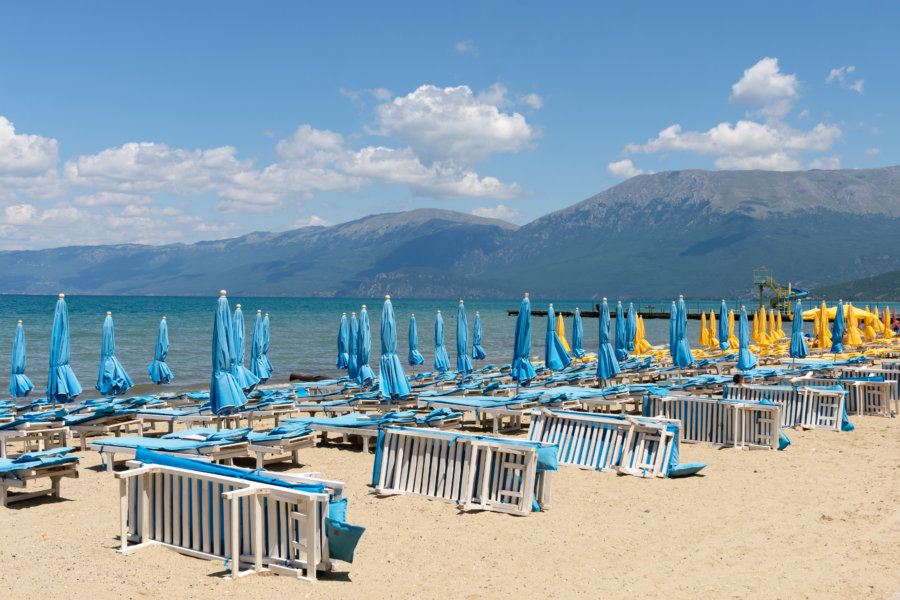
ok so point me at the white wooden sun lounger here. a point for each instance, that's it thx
(863, 397)
(14, 477)
(35, 435)
(278, 450)
(744, 425)
(807, 407)
(220, 453)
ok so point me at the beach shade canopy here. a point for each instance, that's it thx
(704, 333)
(837, 330)
(712, 340)
(683, 356)
(245, 378)
(343, 343)
(259, 364)
(159, 370)
(112, 379)
(522, 369)
(853, 334)
(673, 316)
(621, 335)
(630, 327)
(798, 347)
(392, 380)
(19, 384)
(578, 336)
(746, 360)
(888, 331)
(265, 343)
(415, 357)
(225, 395)
(561, 333)
(478, 352)
(62, 385)
(441, 358)
(463, 363)
(353, 361)
(365, 375)
(607, 365)
(555, 355)
(724, 331)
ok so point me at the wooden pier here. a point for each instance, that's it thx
(648, 313)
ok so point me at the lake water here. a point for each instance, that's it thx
(303, 333)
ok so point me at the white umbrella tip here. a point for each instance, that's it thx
(460, 301)
(364, 307)
(20, 321)
(61, 296)
(342, 314)
(164, 317)
(267, 314)
(222, 293)
(387, 297)
(526, 294)
(258, 311)
(439, 311)
(476, 312)
(680, 297)
(353, 314)
(413, 315)
(551, 306)
(604, 299)
(238, 306)
(108, 313)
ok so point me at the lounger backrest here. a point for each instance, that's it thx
(722, 422)
(863, 397)
(811, 407)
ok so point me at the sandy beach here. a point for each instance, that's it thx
(818, 520)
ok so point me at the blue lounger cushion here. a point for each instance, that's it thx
(685, 469)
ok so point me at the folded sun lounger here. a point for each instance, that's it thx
(52, 464)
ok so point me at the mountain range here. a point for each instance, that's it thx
(697, 233)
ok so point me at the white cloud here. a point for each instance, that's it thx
(841, 75)
(453, 124)
(111, 199)
(496, 212)
(873, 151)
(25, 155)
(623, 169)
(803, 114)
(311, 221)
(764, 86)
(777, 161)
(466, 47)
(19, 214)
(826, 162)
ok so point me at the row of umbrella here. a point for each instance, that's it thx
(112, 379)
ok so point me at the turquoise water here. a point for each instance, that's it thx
(303, 333)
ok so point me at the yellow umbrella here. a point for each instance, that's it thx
(641, 345)
(816, 323)
(561, 332)
(876, 322)
(732, 339)
(713, 342)
(869, 332)
(888, 330)
(762, 338)
(853, 336)
(824, 334)
(809, 315)
(772, 332)
(754, 335)
(704, 334)
(778, 328)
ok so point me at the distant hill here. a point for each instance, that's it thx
(700, 233)
(880, 287)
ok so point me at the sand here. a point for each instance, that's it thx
(819, 520)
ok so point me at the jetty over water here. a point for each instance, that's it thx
(646, 312)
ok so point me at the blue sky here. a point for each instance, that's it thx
(175, 122)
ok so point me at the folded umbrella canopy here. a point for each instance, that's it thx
(463, 363)
(630, 327)
(888, 330)
(798, 347)
(441, 358)
(265, 343)
(19, 384)
(704, 333)
(683, 356)
(853, 335)
(824, 340)
(343, 341)
(225, 395)
(353, 362)
(621, 347)
(522, 369)
(392, 380)
(673, 317)
(366, 375)
(245, 378)
(732, 338)
(578, 335)
(561, 333)
(837, 330)
(415, 357)
(607, 365)
(159, 370)
(555, 355)
(478, 352)
(746, 360)
(259, 364)
(724, 327)
(711, 335)
(62, 385)
(112, 379)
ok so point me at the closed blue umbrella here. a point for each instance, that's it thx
(673, 318)
(265, 343)
(837, 330)
(441, 358)
(577, 336)
(259, 364)
(245, 378)
(225, 395)
(19, 384)
(478, 352)
(724, 332)
(463, 363)
(630, 328)
(353, 362)
(555, 355)
(522, 369)
(112, 379)
(683, 356)
(798, 348)
(392, 380)
(159, 370)
(621, 341)
(415, 357)
(343, 342)
(366, 375)
(746, 360)
(607, 365)
(62, 385)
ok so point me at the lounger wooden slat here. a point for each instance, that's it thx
(808, 407)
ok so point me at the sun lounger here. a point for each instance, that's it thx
(52, 464)
(807, 407)
(219, 446)
(485, 408)
(105, 421)
(252, 521)
(474, 472)
(865, 395)
(641, 446)
(42, 430)
(281, 442)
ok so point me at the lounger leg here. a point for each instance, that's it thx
(110, 459)
(296, 454)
